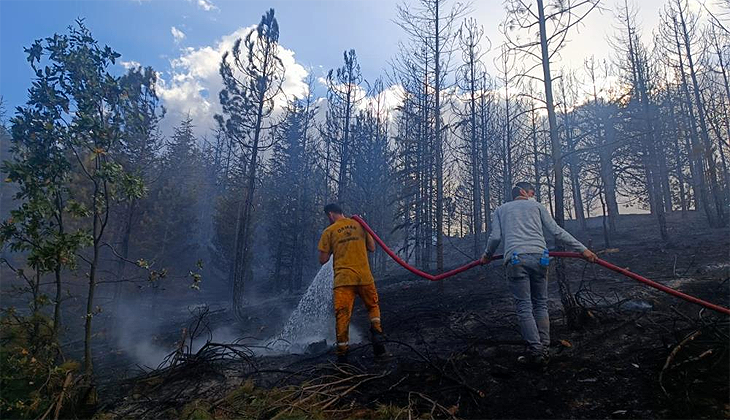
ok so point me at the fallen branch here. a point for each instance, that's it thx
(673, 354)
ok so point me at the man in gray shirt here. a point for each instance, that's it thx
(519, 225)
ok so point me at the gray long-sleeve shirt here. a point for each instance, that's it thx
(519, 225)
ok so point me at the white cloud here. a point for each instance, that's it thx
(193, 83)
(386, 101)
(177, 34)
(130, 64)
(206, 5)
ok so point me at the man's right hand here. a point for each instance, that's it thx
(485, 259)
(589, 255)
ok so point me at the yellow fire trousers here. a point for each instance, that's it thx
(344, 299)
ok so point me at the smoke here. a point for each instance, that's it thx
(148, 331)
(145, 353)
(223, 335)
(137, 334)
(147, 336)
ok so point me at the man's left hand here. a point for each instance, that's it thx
(485, 259)
(590, 255)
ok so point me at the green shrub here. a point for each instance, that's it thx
(30, 378)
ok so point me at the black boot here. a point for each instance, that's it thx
(379, 350)
(534, 360)
(377, 338)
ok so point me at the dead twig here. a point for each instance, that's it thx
(673, 354)
(434, 406)
(323, 392)
(59, 403)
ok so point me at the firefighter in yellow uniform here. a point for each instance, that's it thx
(348, 242)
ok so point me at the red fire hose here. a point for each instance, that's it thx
(599, 261)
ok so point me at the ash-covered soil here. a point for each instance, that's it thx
(640, 353)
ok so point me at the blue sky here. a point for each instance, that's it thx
(314, 34)
(317, 32)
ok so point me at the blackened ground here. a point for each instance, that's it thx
(454, 345)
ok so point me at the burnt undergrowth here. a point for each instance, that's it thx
(638, 354)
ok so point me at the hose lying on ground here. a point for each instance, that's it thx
(599, 261)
